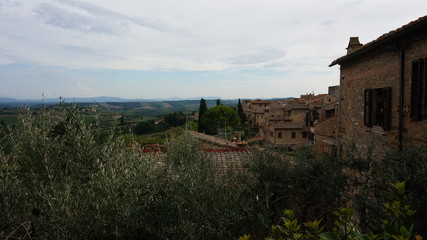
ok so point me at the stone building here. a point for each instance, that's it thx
(287, 134)
(383, 94)
(255, 111)
(292, 123)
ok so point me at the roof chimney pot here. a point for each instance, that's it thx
(353, 45)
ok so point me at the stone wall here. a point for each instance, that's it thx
(378, 70)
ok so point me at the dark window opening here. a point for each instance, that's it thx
(304, 135)
(418, 90)
(330, 113)
(293, 135)
(377, 107)
(279, 135)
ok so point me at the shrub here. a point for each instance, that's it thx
(61, 182)
(397, 226)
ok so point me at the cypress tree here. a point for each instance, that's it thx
(240, 112)
(218, 102)
(202, 110)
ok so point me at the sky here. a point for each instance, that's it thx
(184, 48)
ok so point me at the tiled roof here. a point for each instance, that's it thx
(277, 118)
(260, 101)
(297, 106)
(314, 98)
(258, 111)
(288, 126)
(213, 140)
(414, 25)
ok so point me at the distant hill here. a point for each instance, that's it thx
(101, 99)
(113, 103)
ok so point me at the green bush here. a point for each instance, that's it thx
(397, 226)
(296, 180)
(61, 182)
(62, 179)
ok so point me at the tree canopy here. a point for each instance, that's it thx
(219, 116)
(202, 110)
(240, 112)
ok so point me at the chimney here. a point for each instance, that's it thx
(353, 45)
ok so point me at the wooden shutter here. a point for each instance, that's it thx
(368, 107)
(416, 88)
(316, 115)
(386, 108)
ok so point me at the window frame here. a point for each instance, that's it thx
(418, 106)
(377, 107)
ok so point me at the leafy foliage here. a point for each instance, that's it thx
(219, 116)
(241, 113)
(61, 182)
(296, 180)
(61, 179)
(202, 111)
(397, 226)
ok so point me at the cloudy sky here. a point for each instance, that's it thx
(184, 48)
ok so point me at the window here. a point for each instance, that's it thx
(304, 135)
(279, 135)
(418, 90)
(377, 107)
(293, 134)
(330, 113)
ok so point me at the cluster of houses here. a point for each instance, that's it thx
(381, 100)
(293, 122)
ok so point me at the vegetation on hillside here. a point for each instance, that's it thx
(61, 179)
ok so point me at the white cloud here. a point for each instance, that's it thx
(79, 90)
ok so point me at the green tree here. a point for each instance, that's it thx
(175, 119)
(202, 111)
(240, 112)
(144, 127)
(219, 116)
(3, 123)
(218, 102)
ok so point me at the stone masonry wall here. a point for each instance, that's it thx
(377, 72)
(381, 70)
(413, 130)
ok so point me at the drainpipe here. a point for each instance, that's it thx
(402, 76)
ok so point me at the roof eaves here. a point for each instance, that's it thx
(383, 39)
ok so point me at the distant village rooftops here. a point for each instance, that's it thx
(260, 102)
(289, 125)
(297, 106)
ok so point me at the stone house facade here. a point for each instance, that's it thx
(287, 134)
(255, 111)
(383, 89)
(290, 122)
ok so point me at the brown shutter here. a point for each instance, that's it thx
(416, 87)
(386, 108)
(368, 107)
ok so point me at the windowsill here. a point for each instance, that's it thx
(424, 122)
(377, 130)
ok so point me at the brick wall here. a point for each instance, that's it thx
(381, 69)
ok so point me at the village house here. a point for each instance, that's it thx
(291, 122)
(383, 90)
(255, 111)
